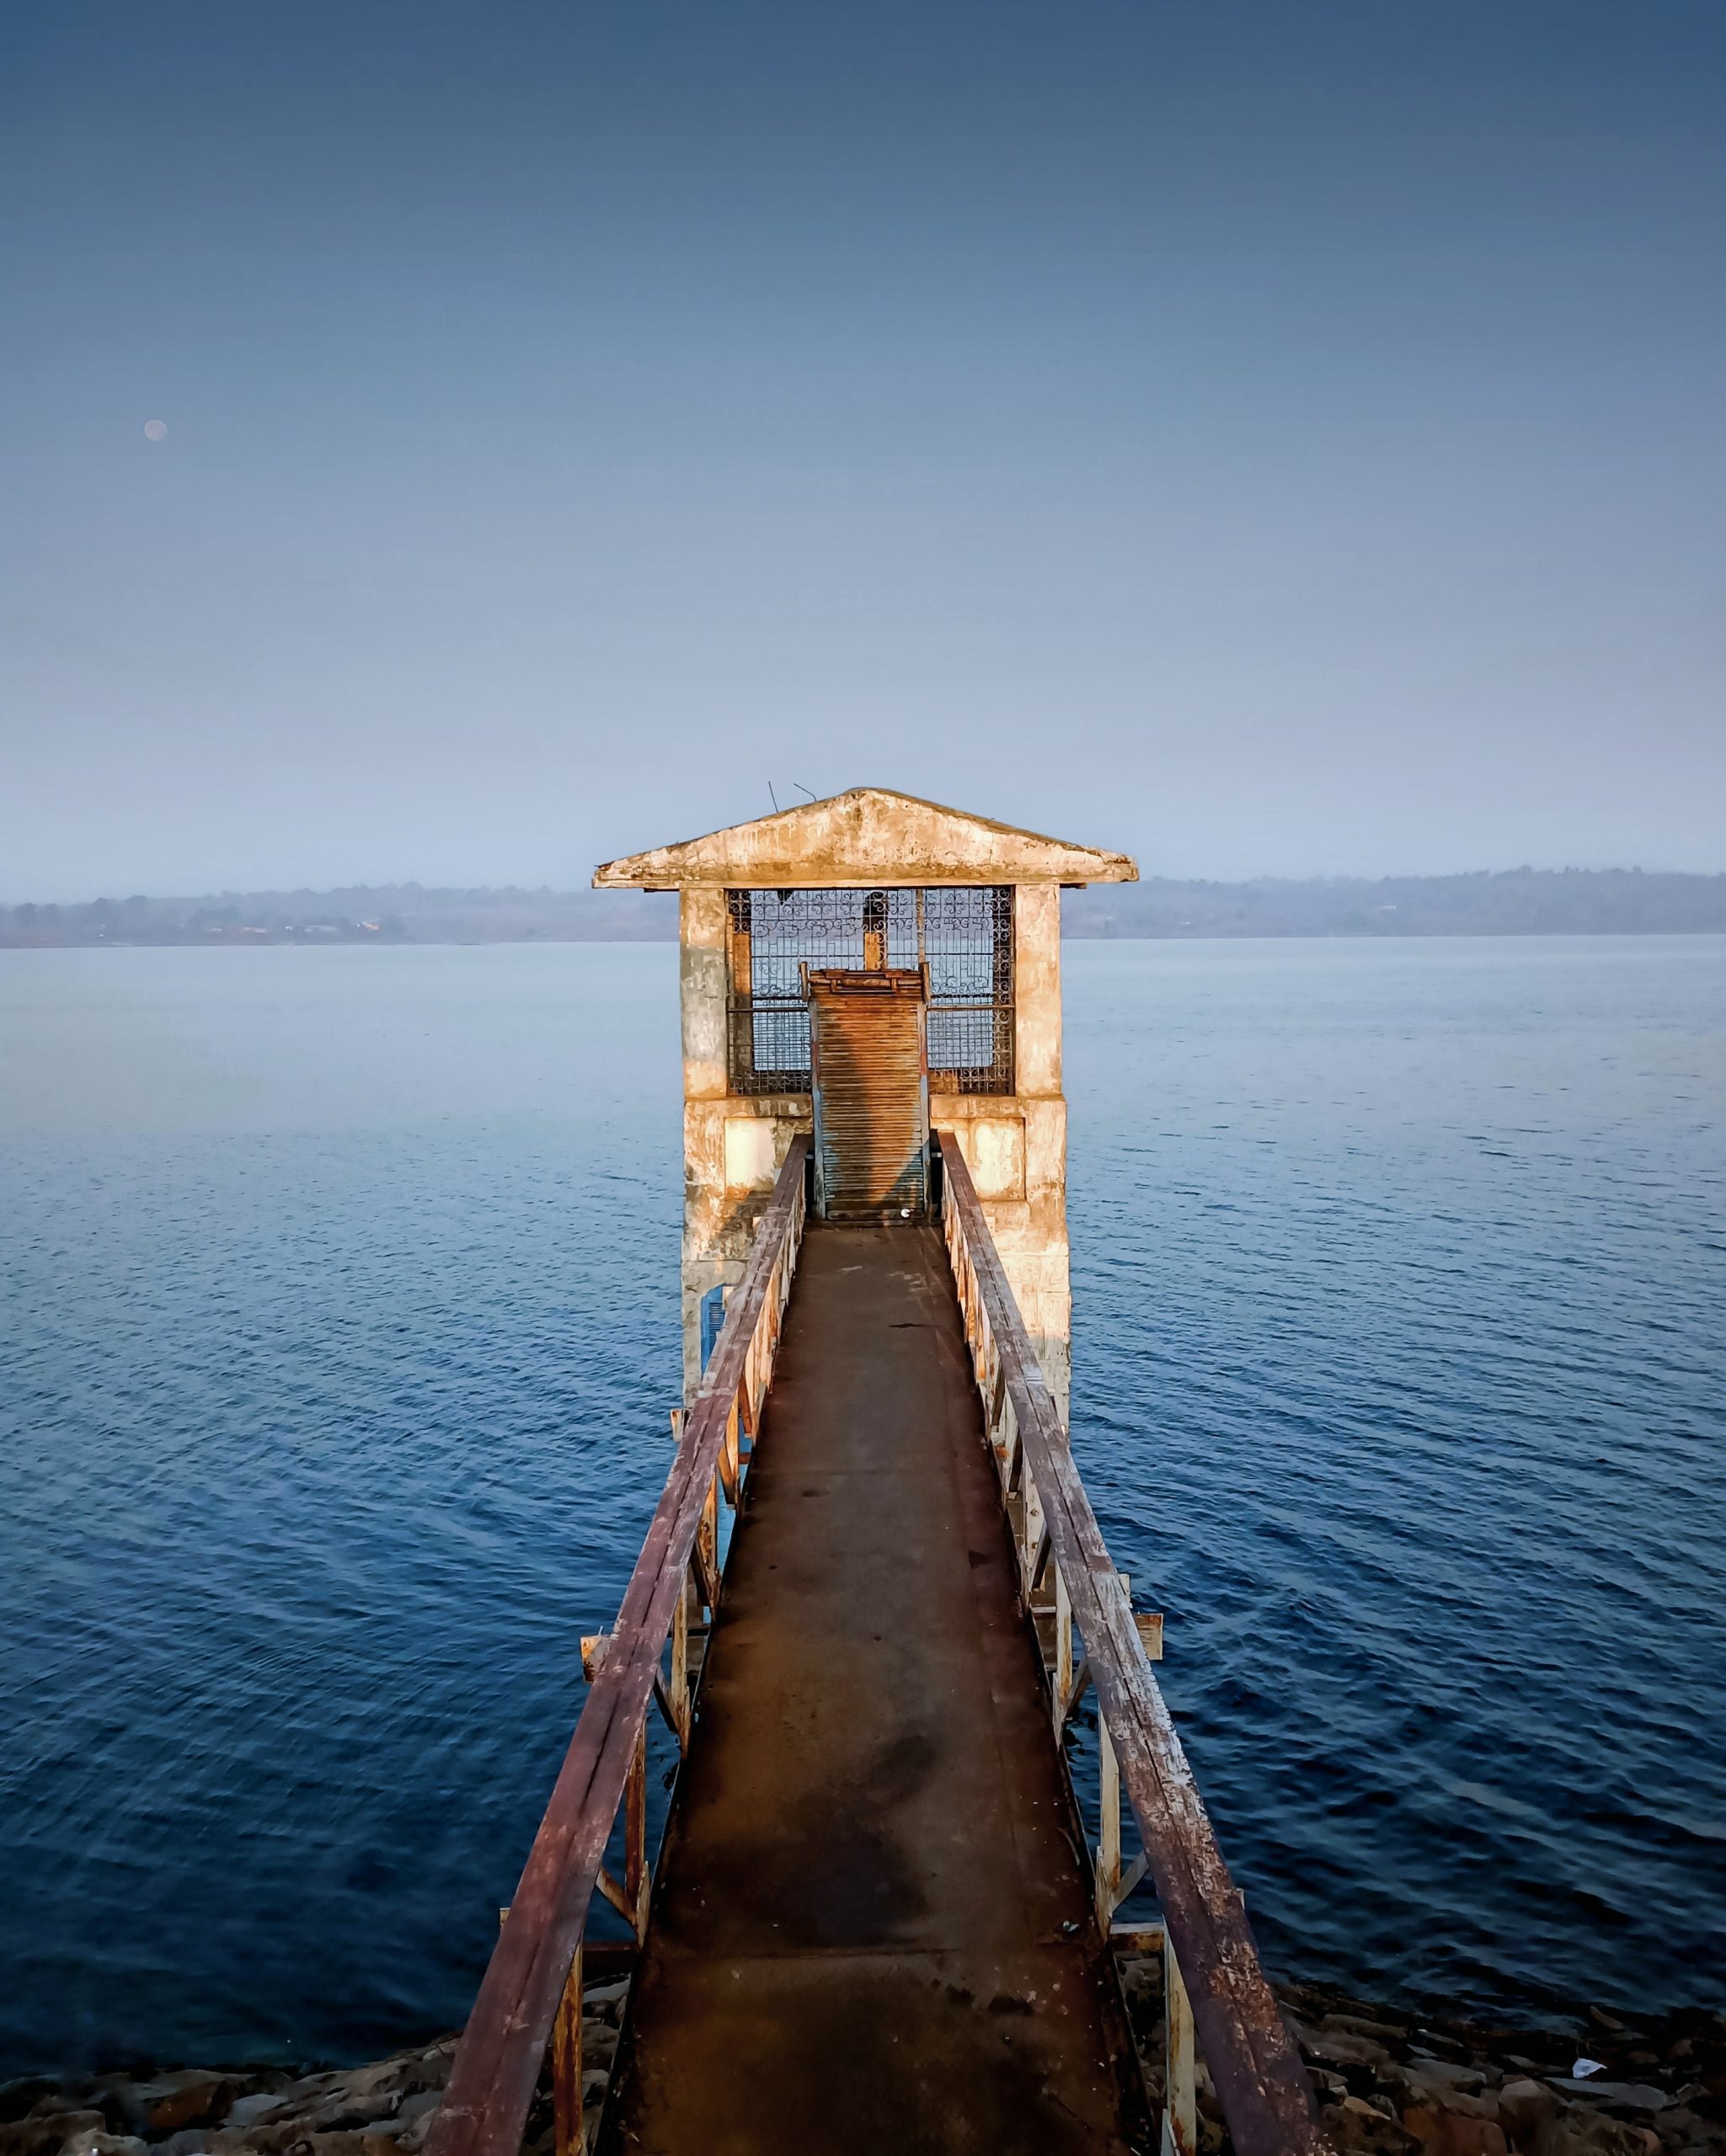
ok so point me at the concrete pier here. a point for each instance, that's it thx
(879, 1916)
(870, 1928)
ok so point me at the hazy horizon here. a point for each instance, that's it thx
(1269, 441)
(112, 893)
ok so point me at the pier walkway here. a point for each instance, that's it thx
(870, 1930)
(879, 1916)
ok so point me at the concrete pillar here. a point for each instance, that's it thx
(1015, 1145)
(733, 1145)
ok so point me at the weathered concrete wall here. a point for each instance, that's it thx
(1015, 1144)
(732, 1146)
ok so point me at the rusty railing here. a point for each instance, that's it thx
(1069, 1586)
(531, 1997)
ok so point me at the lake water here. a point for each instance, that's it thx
(341, 1329)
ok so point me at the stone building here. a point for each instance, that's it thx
(951, 915)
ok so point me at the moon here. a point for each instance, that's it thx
(154, 429)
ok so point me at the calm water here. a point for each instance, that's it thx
(340, 1331)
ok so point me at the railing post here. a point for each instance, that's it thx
(1180, 2096)
(635, 1866)
(680, 1664)
(1063, 1652)
(571, 2125)
(707, 1544)
(1108, 1847)
(1032, 1540)
(729, 1454)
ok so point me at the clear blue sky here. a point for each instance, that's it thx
(1273, 438)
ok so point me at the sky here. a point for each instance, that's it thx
(1282, 439)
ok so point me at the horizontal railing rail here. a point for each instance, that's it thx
(531, 1996)
(970, 1043)
(1211, 1958)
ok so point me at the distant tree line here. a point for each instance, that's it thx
(361, 913)
(1504, 902)
(1511, 901)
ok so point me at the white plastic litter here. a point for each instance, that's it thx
(1584, 2068)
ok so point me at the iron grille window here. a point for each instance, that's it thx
(963, 934)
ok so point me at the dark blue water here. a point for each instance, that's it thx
(341, 1329)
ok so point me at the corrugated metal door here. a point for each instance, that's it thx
(868, 1044)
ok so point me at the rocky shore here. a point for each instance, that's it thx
(1389, 2083)
(1392, 2084)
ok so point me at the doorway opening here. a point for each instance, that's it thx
(869, 1052)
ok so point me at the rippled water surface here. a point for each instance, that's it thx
(341, 1329)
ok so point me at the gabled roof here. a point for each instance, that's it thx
(867, 835)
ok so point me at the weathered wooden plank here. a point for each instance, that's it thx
(1253, 2061)
(498, 2060)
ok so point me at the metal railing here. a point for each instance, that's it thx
(530, 2000)
(531, 1996)
(963, 933)
(1210, 1958)
(970, 1045)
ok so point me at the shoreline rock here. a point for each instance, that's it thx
(1396, 2082)
(1388, 2083)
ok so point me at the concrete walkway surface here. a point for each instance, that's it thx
(871, 1930)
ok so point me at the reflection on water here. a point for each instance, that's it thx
(341, 1295)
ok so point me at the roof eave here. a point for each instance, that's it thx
(633, 874)
(818, 845)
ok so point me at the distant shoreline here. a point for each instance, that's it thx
(1509, 902)
(1068, 935)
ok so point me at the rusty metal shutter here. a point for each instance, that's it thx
(869, 1047)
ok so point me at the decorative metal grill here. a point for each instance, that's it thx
(963, 933)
